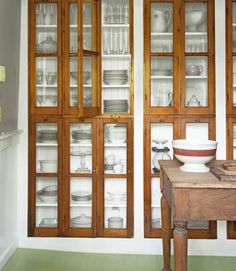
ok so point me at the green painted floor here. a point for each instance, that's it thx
(43, 260)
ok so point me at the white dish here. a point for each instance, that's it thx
(194, 154)
(48, 166)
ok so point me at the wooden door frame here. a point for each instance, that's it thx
(32, 229)
(67, 175)
(149, 232)
(32, 56)
(115, 233)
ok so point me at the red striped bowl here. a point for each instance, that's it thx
(194, 153)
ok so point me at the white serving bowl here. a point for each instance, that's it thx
(194, 153)
(194, 19)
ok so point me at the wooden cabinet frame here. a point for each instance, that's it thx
(32, 229)
(179, 55)
(230, 108)
(102, 231)
(33, 55)
(68, 231)
(64, 115)
(231, 225)
(149, 232)
(179, 125)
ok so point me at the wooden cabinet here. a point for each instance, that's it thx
(179, 57)
(179, 93)
(81, 124)
(231, 91)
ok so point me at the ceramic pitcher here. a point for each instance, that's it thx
(160, 20)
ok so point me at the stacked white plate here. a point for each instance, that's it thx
(116, 106)
(115, 77)
(118, 134)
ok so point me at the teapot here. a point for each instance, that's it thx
(160, 20)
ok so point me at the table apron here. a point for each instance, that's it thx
(203, 204)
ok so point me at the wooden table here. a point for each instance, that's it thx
(191, 196)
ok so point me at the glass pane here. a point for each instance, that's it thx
(162, 81)
(46, 202)
(81, 148)
(46, 82)
(196, 37)
(116, 86)
(88, 80)
(234, 27)
(87, 27)
(47, 148)
(162, 27)
(73, 28)
(161, 138)
(115, 12)
(46, 28)
(116, 40)
(197, 131)
(73, 81)
(196, 70)
(201, 224)
(156, 218)
(115, 149)
(115, 198)
(234, 81)
(81, 202)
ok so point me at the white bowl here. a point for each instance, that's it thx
(48, 166)
(194, 154)
(194, 19)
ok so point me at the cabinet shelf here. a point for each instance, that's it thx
(196, 77)
(46, 26)
(110, 145)
(164, 34)
(196, 33)
(81, 204)
(161, 77)
(110, 204)
(43, 204)
(46, 86)
(46, 144)
(115, 86)
(108, 57)
(115, 25)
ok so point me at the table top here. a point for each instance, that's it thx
(181, 179)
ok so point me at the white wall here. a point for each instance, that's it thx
(138, 244)
(8, 203)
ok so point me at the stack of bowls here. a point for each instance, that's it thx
(82, 221)
(48, 194)
(48, 223)
(115, 222)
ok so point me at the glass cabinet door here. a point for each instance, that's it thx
(159, 134)
(45, 83)
(117, 57)
(45, 177)
(161, 57)
(82, 58)
(116, 192)
(80, 180)
(199, 58)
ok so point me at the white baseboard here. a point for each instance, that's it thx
(5, 256)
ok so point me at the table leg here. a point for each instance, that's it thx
(166, 232)
(180, 246)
